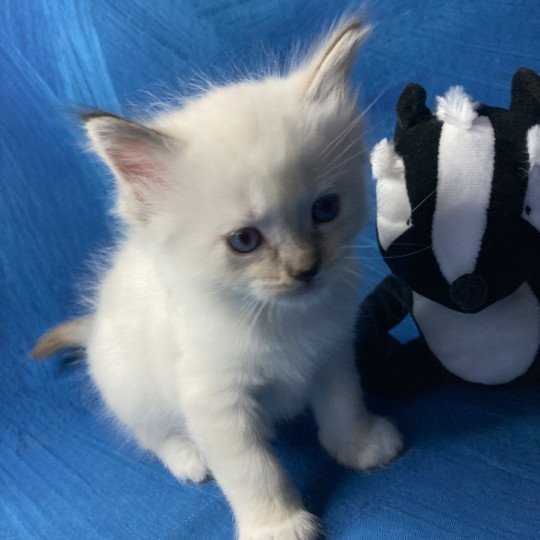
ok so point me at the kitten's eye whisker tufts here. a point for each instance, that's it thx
(334, 162)
(329, 181)
(339, 169)
(339, 138)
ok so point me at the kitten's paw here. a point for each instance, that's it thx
(183, 459)
(301, 526)
(367, 448)
(379, 446)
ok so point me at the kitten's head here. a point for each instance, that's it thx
(256, 187)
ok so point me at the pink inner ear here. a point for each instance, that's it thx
(138, 162)
(141, 166)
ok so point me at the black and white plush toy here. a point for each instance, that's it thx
(458, 221)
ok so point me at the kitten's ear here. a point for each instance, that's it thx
(137, 155)
(328, 71)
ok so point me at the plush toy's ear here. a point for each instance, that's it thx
(138, 156)
(411, 107)
(526, 92)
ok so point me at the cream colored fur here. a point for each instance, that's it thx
(197, 350)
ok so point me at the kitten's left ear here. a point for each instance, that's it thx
(137, 155)
(329, 70)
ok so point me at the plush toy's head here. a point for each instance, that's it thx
(458, 195)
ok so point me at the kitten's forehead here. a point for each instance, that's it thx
(269, 117)
(258, 148)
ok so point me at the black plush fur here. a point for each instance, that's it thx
(509, 255)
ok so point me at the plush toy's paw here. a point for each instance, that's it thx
(183, 459)
(367, 447)
(300, 526)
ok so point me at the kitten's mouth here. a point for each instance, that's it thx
(292, 291)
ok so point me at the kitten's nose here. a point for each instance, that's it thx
(307, 275)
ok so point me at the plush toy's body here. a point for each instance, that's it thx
(458, 221)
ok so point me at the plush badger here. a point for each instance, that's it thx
(458, 221)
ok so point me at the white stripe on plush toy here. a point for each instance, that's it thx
(531, 212)
(466, 161)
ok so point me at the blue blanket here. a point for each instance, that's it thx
(471, 468)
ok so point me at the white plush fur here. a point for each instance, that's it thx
(394, 212)
(456, 108)
(196, 349)
(532, 199)
(464, 180)
(386, 162)
(511, 324)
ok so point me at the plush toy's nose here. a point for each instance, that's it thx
(469, 292)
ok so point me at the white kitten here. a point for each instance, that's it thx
(232, 299)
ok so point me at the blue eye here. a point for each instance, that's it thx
(325, 208)
(245, 240)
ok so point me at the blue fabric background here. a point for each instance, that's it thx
(471, 467)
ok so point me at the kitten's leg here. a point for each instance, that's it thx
(227, 426)
(347, 430)
(179, 454)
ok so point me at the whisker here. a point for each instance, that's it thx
(257, 315)
(335, 160)
(423, 201)
(374, 101)
(329, 170)
(347, 280)
(359, 170)
(408, 254)
(340, 136)
(381, 204)
(356, 121)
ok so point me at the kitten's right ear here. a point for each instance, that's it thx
(328, 72)
(137, 155)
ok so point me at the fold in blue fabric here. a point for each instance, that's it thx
(471, 468)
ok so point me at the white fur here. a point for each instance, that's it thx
(456, 108)
(195, 355)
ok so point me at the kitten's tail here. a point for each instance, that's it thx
(71, 334)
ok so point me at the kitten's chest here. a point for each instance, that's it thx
(289, 373)
(285, 397)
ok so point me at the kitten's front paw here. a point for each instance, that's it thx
(379, 446)
(301, 526)
(184, 460)
(368, 448)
